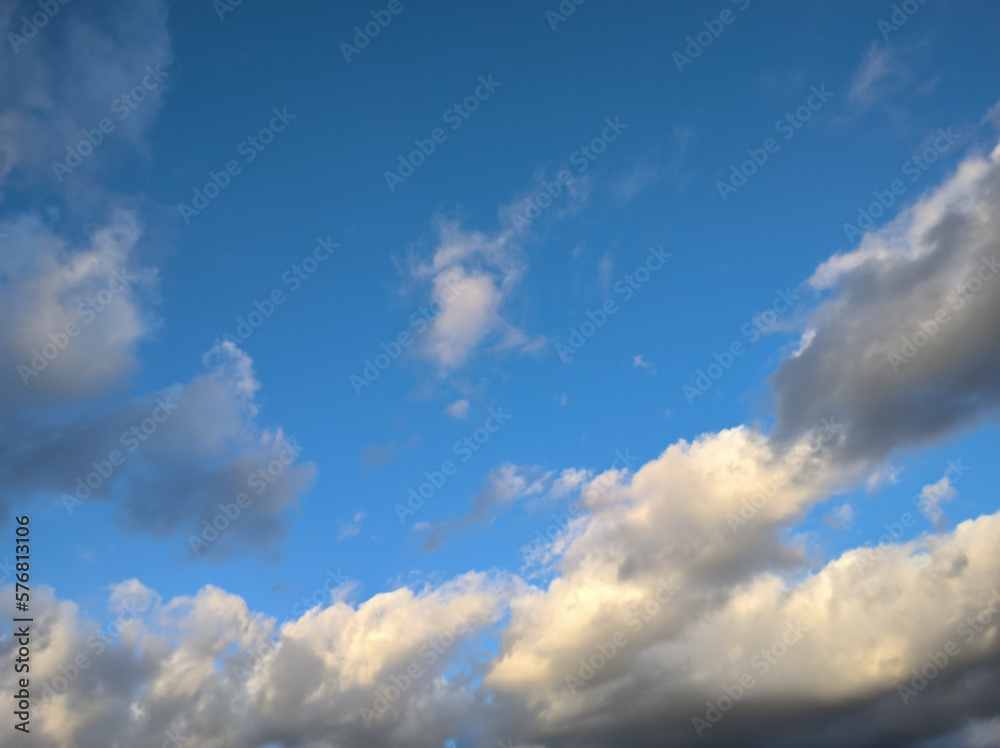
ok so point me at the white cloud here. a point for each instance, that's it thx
(472, 276)
(569, 480)
(933, 496)
(229, 676)
(458, 409)
(207, 665)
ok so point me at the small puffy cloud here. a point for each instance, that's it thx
(933, 496)
(841, 517)
(472, 276)
(458, 409)
(638, 362)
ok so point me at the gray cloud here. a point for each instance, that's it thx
(73, 317)
(66, 77)
(73, 312)
(181, 452)
(75, 305)
(906, 348)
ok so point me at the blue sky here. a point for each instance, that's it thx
(567, 173)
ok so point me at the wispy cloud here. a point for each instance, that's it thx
(350, 528)
(638, 362)
(501, 489)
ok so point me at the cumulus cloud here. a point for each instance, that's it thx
(216, 674)
(180, 451)
(472, 275)
(59, 78)
(672, 520)
(906, 347)
(824, 659)
(77, 300)
(729, 618)
(73, 315)
(685, 563)
(71, 297)
(458, 409)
